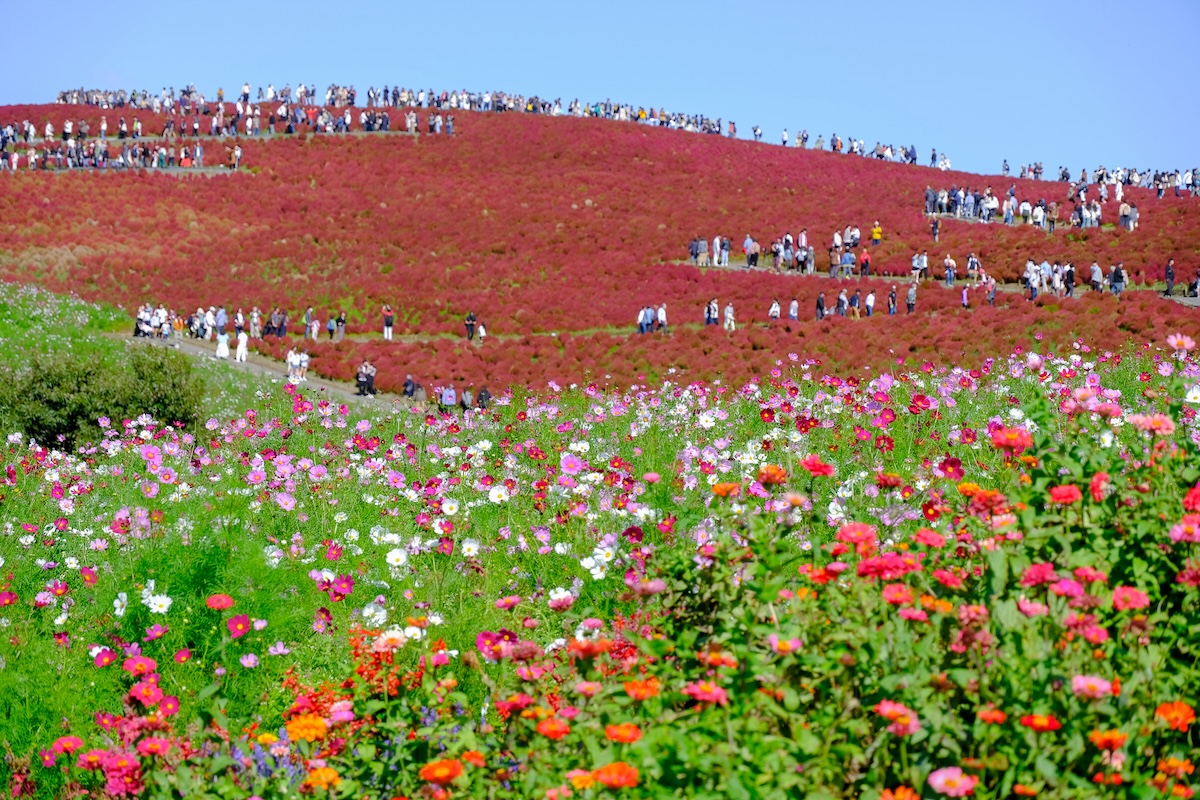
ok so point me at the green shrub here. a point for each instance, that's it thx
(57, 399)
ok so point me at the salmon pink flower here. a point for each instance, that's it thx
(902, 718)
(219, 602)
(553, 728)
(1066, 494)
(816, 467)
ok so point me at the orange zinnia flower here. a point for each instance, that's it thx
(992, 716)
(1178, 715)
(642, 690)
(899, 793)
(441, 772)
(617, 775)
(1024, 791)
(553, 728)
(772, 474)
(474, 758)
(726, 489)
(1175, 767)
(323, 778)
(309, 727)
(1040, 722)
(1107, 740)
(625, 733)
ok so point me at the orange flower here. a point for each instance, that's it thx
(1107, 740)
(588, 648)
(1175, 767)
(1178, 715)
(1024, 791)
(969, 489)
(307, 727)
(625, 733)
(727, 489)
(441, 772)
(617, 775)
(323, 778)
(553, 728)
(772, 474)
(990, 715)
(1041, 723)
(899, 793)
(474, 758)
(642, 690)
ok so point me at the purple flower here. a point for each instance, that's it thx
(249, 661)
(278, 649)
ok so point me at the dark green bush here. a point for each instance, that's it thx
(57, 399)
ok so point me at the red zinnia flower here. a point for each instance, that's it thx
(1041, 723)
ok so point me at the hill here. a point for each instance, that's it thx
(544, 225)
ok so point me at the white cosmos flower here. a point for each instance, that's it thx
(120, 604)
(414, 633)
(397, 557)
(498, 494)
(159, 604)
(1193, 395)
(470, 548)
(449, 506)
(374, 614)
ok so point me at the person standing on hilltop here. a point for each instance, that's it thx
(730, 322)
(910, 300)
(1170, 277)
(341, 325)
(469, 324)
(892, 302)
(820, 306)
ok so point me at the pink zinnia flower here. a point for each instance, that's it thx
(783, 646)
(706, 692)
(1032, 609)
(952, 782)
(1127, 597)
(1091, 687)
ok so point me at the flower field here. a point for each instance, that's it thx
(978, 580)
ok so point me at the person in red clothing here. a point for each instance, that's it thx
(864, 264)
(389, 319)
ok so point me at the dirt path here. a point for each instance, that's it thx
(259, 365)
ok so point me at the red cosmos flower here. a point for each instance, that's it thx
(553, 728)
(238, 626)
(1066, 494)
(1012, 440)
(767, 415)
(219, 602)
(816, 467)
(1041, 723)
(885, 444)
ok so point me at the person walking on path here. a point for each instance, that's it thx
(730, 323)
(242, 347)
(820, 306)
(910, 300)
(469, 324)
(341, 326)
(1170, 275)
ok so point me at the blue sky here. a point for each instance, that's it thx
(1075, 84)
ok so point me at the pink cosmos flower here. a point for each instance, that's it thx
(952, 782)
(249, 661)
(1180, 341)
(104, 658)
(139, 665)
(183, 655)
(238, 626)
(507, 603)
(571, 464)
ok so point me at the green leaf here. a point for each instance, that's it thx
(998, 564)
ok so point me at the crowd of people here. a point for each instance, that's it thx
(305, 105)
(963, 202)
